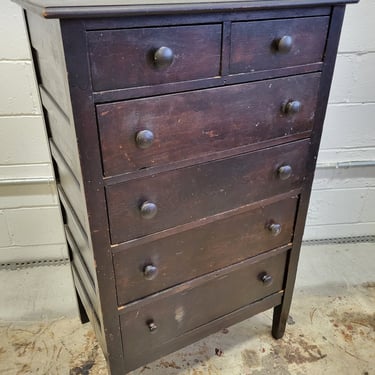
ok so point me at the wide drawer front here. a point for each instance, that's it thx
(264, 45)
(155, 55)
(150, 204)
(146, 269)
(143, 133)
(151, 323)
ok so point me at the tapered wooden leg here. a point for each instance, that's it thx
(281, 312)
(82, 312)
(280, 317)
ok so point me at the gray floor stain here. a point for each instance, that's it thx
(250, 358)
(298, 351)
(332, 334)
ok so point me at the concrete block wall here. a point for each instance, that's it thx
(30, 220)
(343, 199)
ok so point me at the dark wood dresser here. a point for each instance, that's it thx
(184, 138)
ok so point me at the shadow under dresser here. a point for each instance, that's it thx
(184, 138)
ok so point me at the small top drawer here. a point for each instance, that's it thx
(265, 45)
(151, 56)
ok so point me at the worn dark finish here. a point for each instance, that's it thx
(183, 86)
(195, 49)
(210, 327)
(188, 18)
(256, 45)
(111, 8)
(202, 122)
(191, 253)
(194, 192)
(281, 312)
(184, 140)
(175, 313)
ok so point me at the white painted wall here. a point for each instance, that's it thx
(30, 222)
(343, 200)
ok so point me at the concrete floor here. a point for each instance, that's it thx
(331, 330)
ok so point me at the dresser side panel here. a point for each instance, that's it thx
(51, 71)
(52, 75)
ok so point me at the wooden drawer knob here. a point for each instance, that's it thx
(150, 272)
(144, 138)
(284, 44)
(292, 107)
(152, 326)
(148, 210)
(163, 57)
(275, 229)
(284, 172)
(265, 278)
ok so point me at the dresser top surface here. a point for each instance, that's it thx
(106, 8)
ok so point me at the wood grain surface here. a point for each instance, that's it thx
(190, 307)
(192, 253)
(199, 123)
(254, 44)
(202, 190)
(125, 58)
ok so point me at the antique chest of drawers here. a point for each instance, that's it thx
(184, 138)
